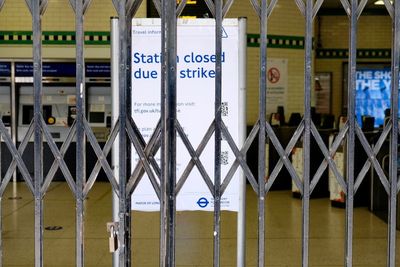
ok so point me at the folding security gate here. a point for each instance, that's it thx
(164, 137)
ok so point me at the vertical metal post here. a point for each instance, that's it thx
(393, 175)
(163, 178)
(241, 220)
(218, 121)
(351, 134)
(262, 133)
(38, 138)
(1, 210)
(307, 132)
(128, 112)
(80, 133)
(124, 233)
(13, 101)
(114, 118)
(1, 202)
(168, 161)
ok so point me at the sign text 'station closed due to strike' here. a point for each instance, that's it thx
(188, 73)
(195, 104)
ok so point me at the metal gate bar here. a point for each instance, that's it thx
(168, 132)
(393, 166)
(351, 133)
(124, 233)
(38, 139)
(307, 128)
(262, 131)
(217, 134)
(80, 131)
(168, 188)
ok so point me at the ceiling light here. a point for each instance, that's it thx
(381, 2)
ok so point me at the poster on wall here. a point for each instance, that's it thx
(322, 94)
(373, 94)
(277, 79)
(195, 104)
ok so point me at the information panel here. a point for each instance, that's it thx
(5, 69)
(195, 104)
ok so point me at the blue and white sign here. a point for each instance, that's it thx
(5, 69)
(98, 69)
(59, 69)
(195, 104)
(49, 69)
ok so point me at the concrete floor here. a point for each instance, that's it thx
(194, 239)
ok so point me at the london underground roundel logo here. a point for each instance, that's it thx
(202, 202)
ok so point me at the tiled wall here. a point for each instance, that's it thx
(59, 16)
(374, 32)
(285, 20)
(15, 16)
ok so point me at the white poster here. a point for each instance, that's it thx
(323, 92)
(195, 103)
(277, 77)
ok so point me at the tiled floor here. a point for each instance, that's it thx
(194, 232)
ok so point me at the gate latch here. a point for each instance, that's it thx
(112, 228)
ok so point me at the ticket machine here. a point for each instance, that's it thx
(5, 112)
(5, 104)
(59, 107)
(98, 89)
(5, 94)
(59, 98)
(57, 102)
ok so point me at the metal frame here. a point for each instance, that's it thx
(164, 177)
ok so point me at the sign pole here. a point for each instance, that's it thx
(115, 112)
(241, 217)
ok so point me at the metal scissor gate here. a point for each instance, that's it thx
(165, 135)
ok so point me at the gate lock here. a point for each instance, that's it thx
(112, 228)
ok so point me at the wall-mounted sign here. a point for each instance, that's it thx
(277, 77)
(62, 69)
(98, 69)
(49, 69)
(323, 93)
(5, 69)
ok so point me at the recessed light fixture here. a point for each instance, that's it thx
(381, 2)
